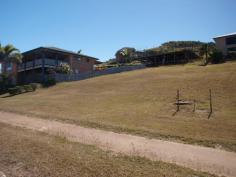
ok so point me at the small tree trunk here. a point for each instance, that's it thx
(206, 54)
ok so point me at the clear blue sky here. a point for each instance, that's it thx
(101, 27)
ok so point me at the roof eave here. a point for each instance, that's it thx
(226, 35)
(57, 50)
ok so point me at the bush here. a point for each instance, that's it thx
(22, 89)
(30, 88)
(13, 91)
(16, 90)
(27, 88)
(34, 86)
(49, 82)
(216, 57)
(4, 83)
(231, 55)
(63, 68)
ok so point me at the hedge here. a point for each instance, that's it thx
(22, 89)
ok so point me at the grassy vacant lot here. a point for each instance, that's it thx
(141, 102)
(28, 153)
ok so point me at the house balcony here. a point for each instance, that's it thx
(38, 63)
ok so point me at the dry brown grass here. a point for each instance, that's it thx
(141, 102)
(27, 153)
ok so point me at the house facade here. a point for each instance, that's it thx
(226, 43)
(36, 64)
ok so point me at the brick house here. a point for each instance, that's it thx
(36, 63)
(226, 43)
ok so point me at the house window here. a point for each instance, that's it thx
(87, 60)
(231, 40)
(9, 66)
(0, 68)
(232, 49)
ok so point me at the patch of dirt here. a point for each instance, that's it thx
(2, 174)
(210, 160)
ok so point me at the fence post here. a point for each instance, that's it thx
(210, 104)
(194, 105)
(177, 100)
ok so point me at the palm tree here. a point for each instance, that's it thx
(9, 54)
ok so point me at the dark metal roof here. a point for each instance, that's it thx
(58, 50)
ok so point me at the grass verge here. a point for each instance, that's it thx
(29, 153)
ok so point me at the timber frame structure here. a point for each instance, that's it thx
(168, 58)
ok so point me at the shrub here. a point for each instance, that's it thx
(22, 89)
(27, 88)
(34, 86)
(231, 55)
(4, 83)
(13, 91)
(16, 90)
(216, 57)
(63, 68)
(49, 82)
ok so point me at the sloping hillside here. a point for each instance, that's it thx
(142, 102)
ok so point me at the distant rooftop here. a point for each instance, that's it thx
(230, 34)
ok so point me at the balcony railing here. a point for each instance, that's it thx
(39, 63)
(29, 64)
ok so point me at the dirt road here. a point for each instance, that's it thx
(210, 160)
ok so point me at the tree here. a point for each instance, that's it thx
(4, 82)
(9, 54)
(125, 54)
(206, 52)
(216, 57)
(64, 68)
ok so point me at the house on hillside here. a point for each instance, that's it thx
(167, 58)
(37, 62)
(226, 43)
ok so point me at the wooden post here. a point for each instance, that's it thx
(206, 54)
(210, 104)
(43, 66)
(24, 79)
(163, 60)
(174, 56)
(177, 100)
(194, 105)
